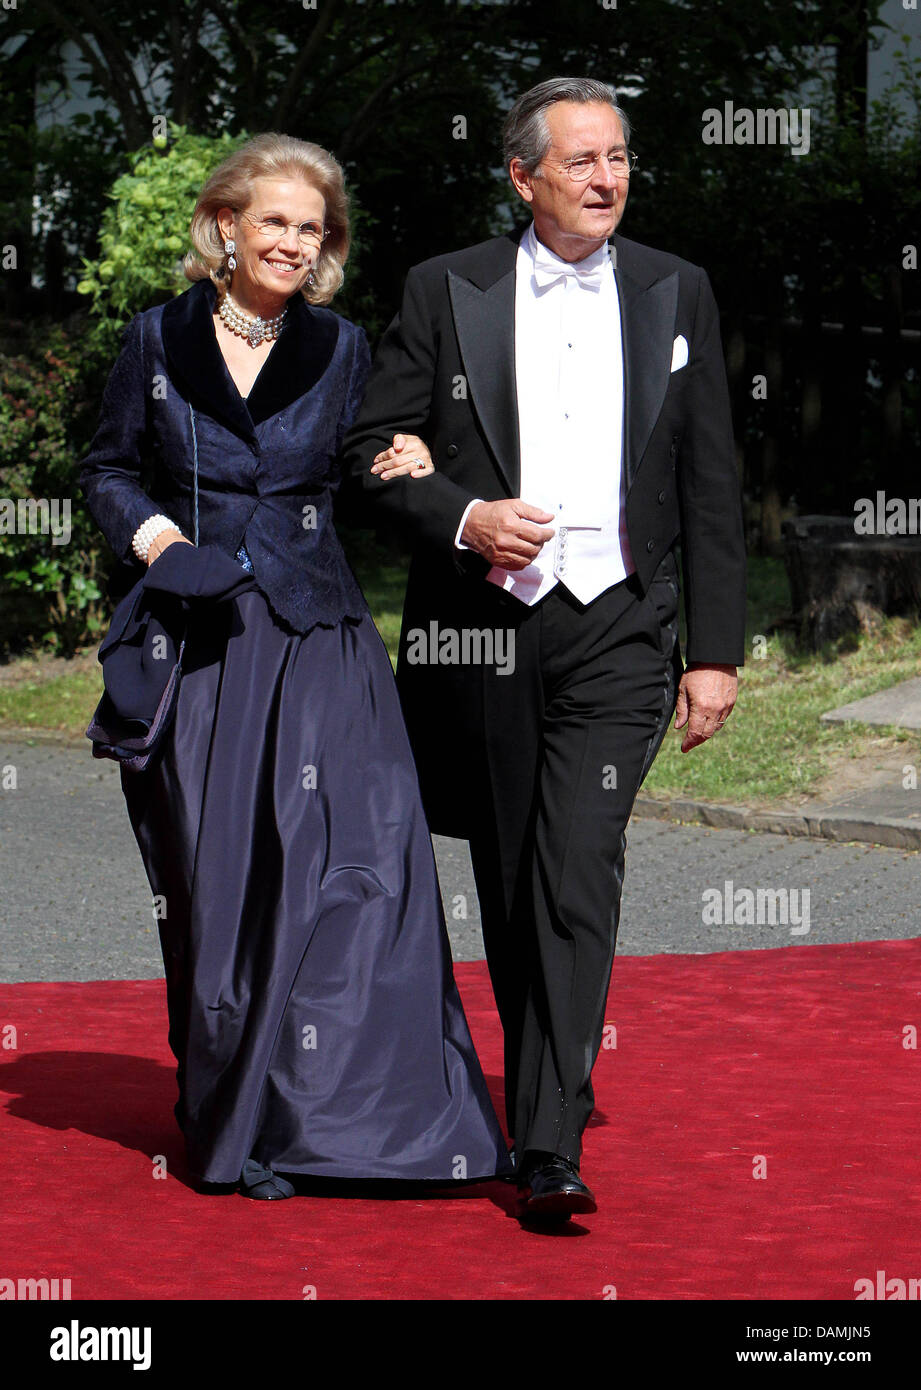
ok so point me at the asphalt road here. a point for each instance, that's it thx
(75, 904)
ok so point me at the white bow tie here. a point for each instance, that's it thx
(589, 273)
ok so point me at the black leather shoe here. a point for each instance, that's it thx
(262, 1184)
(551, 1187)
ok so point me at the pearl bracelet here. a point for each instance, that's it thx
(147, 533)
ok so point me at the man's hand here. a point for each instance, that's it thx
(505, 533)
(706, 696)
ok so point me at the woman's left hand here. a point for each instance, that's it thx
(408, 454)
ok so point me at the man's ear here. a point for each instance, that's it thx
(521, 180)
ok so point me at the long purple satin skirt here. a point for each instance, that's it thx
(312, 1006)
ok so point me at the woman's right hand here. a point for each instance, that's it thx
(407, 455)
(159, 544)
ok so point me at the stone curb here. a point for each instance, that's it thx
(892, 832)
(12, 734)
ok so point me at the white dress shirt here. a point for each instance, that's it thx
(569, 377)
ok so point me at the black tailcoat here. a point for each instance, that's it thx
(445, 369)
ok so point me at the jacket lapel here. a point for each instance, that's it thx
(647, 320)
(296, 362)
(483, 306)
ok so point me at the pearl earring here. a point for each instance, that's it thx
(229, 248)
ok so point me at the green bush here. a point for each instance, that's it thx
(144, 235)
(53, 595)
(50, 594)
(145, 231)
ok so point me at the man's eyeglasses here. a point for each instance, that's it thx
(307, 232)
(620, 162)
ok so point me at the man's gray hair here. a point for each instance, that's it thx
(525, 134)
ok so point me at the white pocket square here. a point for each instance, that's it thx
(679, 352)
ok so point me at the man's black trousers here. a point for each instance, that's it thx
(567, 741)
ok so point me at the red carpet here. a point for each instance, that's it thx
(795, 1054)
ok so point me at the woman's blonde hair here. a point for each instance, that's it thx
(230, 186)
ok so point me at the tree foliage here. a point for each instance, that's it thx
(806, 254)
(143, 233)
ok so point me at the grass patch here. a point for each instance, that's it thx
(62, 703)
(381, 571)
(48, 694)
(774, 747)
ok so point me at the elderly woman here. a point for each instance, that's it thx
(312, 1007)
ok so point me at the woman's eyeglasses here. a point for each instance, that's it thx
(307, 232)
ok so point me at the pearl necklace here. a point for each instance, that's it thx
(246, 326)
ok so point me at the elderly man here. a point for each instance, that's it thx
(571, 386)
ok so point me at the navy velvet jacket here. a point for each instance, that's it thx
(264, 463)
